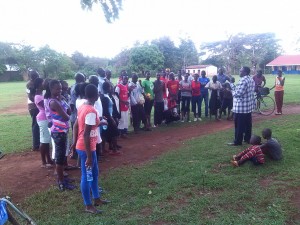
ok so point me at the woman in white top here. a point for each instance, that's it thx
(214, 102)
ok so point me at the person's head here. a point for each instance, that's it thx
(232, 79)
(124, 73)
(244, 71)
(79, 78)
(196, 77)
(186, 76)
(134, 77)
(93, 79)
(33, 74)
(221, 71)
(106, 87)
(101, 72)
(171, 76)
(164, 74)
(124, 79)
(157, 76)
(64, 85)
(82, 87)
(203, 73)
(91, 93)
(255, 140)
(179, 76)
(259, 73)
(55, 88)
(279, 73)
(267, 133)
(215, 78)
(38, 84)
(148, 75)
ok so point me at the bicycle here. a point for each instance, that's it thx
(265, 104)
(9, 212)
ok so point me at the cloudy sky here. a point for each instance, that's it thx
(65, 27)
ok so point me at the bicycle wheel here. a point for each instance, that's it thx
(266, 105)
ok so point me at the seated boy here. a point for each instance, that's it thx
(271, 148)
(253, 153)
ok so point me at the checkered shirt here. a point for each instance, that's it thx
(243, 95)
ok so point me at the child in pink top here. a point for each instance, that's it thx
(42, 121)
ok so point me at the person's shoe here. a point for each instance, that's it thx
(277, 113)
(68, 186)
(93, 211)
(232, 144)
(98, 202)
(195, 119)
(61, 187)
(116, 153)
(234, 157)
(199, 119)
(182, 121)
(235, 163)
(189, 121)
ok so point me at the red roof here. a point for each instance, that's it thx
(285, 60)
(197, 66)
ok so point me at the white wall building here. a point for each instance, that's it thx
(209, 69)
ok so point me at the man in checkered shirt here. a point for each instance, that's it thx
(243, 105)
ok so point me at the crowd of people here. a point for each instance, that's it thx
(100, 112)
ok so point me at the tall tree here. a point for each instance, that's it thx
(111, 8)
(146, 57)
(170, 52)
(188, 53)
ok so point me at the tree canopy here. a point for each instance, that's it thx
(111, 8)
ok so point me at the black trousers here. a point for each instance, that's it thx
(138, 115)
(243, 127)
(35, 128)
(158, 112)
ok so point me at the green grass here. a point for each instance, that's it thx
(12, 93)
(194, 184)
(15, 133)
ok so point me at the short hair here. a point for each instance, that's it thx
(101, 72)
(246, 69)
(256, 139)
(93, 79)
(33, 74)
(267, 132)
(106, 86)
(91, 91)
(79, 77)
(37, 82)
(82, 87)
(53, 83)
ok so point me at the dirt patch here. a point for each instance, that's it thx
(295, 200)
(22, 176)
(19, 108)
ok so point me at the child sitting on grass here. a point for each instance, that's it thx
(253, 153)
(271, 148)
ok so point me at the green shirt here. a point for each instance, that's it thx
(148, 87)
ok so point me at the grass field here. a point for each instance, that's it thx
(194, 184)
(14, 92)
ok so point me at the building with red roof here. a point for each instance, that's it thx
(209, 69)
(289, 64)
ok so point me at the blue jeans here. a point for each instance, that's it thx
(204, 96)
(86, 186)
(196, 102)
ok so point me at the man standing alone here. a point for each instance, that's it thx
(243, 105)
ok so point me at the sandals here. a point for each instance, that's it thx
(47, 165)
(97, 211)
(99, 202)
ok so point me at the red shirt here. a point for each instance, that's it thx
(165, 80)
(123, 95)
(87, 114)
(173, 87)
(196, 88)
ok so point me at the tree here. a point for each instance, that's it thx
(170, 52)
(121, 61)
(79, 59)
(188, 53)
(146, 57)
(111, 8)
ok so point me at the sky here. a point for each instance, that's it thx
(65, 27)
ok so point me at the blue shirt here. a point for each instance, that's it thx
(222, 78)
(203, 82)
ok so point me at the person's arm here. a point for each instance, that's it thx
(86, 138)
(207, 86)
(75, 136)
(240, 89)
(282, 81)
(264, 81)
(57, 108)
